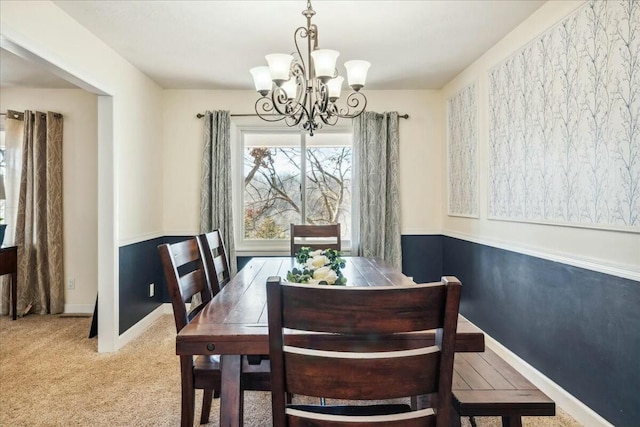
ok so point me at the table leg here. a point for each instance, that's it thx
(231, 397)
(14, 294)
(512, 421)
(188, 392)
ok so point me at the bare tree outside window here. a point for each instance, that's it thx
(273, 186)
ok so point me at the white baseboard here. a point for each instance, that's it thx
(578, 410)
(137, 329)
(79, 308)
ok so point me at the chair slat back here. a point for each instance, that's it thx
(186, 276)
(378, 371)
(323, 237)
(321, 308)
(215, 256)
(339, 375)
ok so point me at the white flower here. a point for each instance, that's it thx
(317, 261)
(326, 274)
(315, 253)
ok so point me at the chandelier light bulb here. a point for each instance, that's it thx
(335, 87)
(357, 73)
(261, 79)
(279, 66)
(324, 62)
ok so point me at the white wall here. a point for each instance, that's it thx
(609, 251)
(129, 135)
(420, 153)
(47, 31)
(80, 183)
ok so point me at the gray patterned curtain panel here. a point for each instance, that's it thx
(376, 146)
(215, 195)
(38, 229)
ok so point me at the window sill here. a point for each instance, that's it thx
(267, 252)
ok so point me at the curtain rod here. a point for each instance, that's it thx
(200, 115)
(56, 115)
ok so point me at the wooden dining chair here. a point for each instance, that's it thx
(363, 356)
(187, 276)
(315, 237)
(216, 260)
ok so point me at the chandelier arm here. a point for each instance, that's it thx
(297, 111)
(356, 103)
(292, 121)
(330, 117)
(280, 100)
(301, 32)
(304, 111)
(297, 71)
(265, 110)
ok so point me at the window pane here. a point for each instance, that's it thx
(271, 185)
(328, 183)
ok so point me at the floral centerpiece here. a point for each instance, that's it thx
(320, 267)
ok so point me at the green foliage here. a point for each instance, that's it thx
(305, 274)
(297, 275)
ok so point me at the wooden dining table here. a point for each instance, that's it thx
(234, 323)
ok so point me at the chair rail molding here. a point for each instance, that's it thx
(576, 261)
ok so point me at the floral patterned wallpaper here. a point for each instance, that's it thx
(564, 123)
(462, 126)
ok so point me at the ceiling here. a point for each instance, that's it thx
(183, 44)
(18, 72)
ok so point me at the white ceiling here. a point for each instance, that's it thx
(184, 44)
(18, 72)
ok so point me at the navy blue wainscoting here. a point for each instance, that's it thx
(422, 257)
(578, 327)
(242, 261)
(139, 266)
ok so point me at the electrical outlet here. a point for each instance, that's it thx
(71, 284)
(152, 289)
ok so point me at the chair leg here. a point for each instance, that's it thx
(216, 393)
(207, 397)
(188, 392)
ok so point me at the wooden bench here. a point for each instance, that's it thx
(485, 385)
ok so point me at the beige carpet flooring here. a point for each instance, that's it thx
(52, 375)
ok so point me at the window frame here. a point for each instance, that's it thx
(3, 168)
(271, 247)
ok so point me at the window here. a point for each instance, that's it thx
(275, 192)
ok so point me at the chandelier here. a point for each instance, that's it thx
(304, 90)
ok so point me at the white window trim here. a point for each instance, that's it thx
(239, 126)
